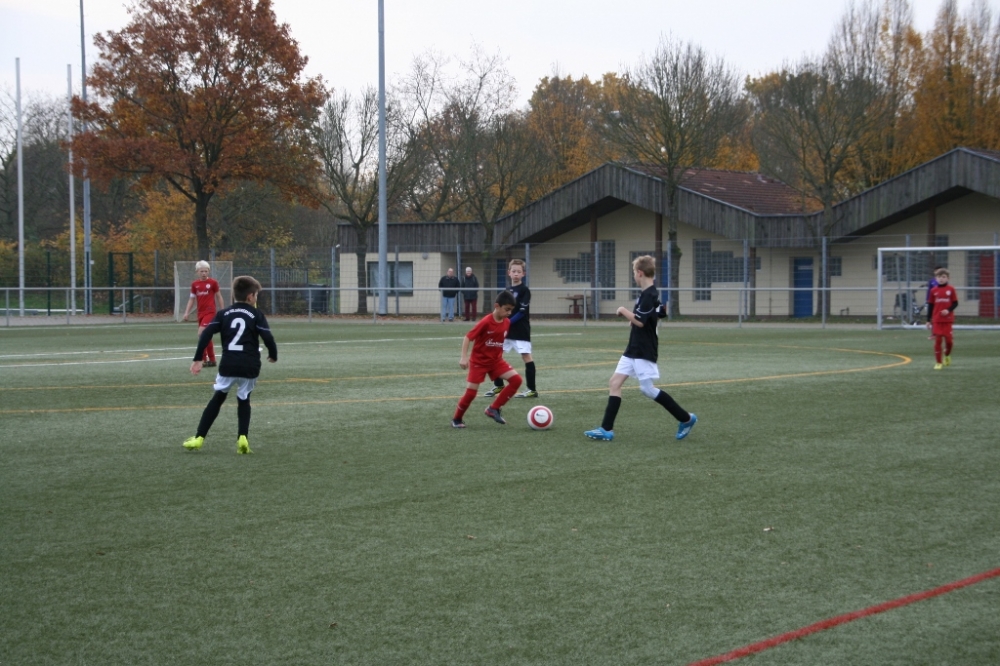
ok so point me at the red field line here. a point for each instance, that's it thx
(822, 625)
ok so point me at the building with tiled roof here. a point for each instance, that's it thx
(735, 232)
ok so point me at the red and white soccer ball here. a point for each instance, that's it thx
(540, 418)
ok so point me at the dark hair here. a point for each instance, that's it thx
(505, 298)
(243, 286)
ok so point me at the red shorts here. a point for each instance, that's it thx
(206, 319)
(941, 328)
(477, 373)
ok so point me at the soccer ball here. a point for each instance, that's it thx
(540, 418)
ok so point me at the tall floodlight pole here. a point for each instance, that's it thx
(72, 195)
(20, 191)
(383, 226)
(88, 298)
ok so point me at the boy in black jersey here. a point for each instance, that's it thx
(241, 326)
(519, 337)
(639, 359)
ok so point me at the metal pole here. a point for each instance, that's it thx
(274, 284)
(20, 191)
(396, 281)
(383, 226)
(124, 309)
(823, 281)
(671, 287)
(996, 277)
(909, 306)
(878, 304)
(88, 277)
(334, 292)
(71, 302)
(597, 280)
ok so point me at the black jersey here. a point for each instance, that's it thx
(643, 342)
(520, 325)
(241, 326)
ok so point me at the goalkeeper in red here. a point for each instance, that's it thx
(941, 303)
(486, 360)
(241, 326)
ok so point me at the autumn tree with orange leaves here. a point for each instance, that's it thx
(200, 94)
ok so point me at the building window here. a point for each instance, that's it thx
(913, 266)
(712, 267)
(581, 269)
(836, 266)
(974, 266)
(401, 283)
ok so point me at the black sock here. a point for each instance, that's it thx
(529, 375)
(611, 412)
(211, 412)
(664, 399)
(243, 415)
(498, 383)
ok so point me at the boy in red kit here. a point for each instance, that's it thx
(205, 292)
(941, 303)
(486, 340)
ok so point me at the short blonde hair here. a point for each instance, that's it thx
(942, 271)
(646, 264)
(516, 262)
(202, 264)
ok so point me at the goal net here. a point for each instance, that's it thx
(184, 275)
(904, 274)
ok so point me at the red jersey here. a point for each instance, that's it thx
(205, 291)
(941, 298)
(487, 340)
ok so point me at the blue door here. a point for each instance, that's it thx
(802, 278)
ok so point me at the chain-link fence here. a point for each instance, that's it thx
(705, 278)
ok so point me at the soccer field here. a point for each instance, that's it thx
(830, 471)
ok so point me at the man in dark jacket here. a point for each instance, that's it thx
(449, 286)
(470, 294)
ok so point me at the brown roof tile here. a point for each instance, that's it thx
(754, 192)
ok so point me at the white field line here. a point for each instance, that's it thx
(283, 344)
(168, 349)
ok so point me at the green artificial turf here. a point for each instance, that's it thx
(830, 471)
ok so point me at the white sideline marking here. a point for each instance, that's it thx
(131, 360)
(284, 344)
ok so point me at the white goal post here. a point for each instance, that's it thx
(902, 274)
(184, 275)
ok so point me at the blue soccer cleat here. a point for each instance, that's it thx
(600, 433)
(684, 428)
(494, 413)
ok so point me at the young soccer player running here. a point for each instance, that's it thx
(241, 326)
(519, 337)
(639, 359)
(204, 293)
(486, 340)
(941, 303)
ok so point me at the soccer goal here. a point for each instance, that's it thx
(184, 275)
(903, 274)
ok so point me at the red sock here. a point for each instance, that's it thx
(948, 344)
(937, 348)
(210, 351)
(508, 392)
(464, 402)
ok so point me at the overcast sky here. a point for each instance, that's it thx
(536, 37)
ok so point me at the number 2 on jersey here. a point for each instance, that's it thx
(234, 343)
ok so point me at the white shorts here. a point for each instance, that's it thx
(521, 346)
(638, 368)
(243, 385)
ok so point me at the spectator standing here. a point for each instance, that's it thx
(449, 286)
(470, 294)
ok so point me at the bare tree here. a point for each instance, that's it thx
(347, 141)
(815, 118)
(674, 110)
